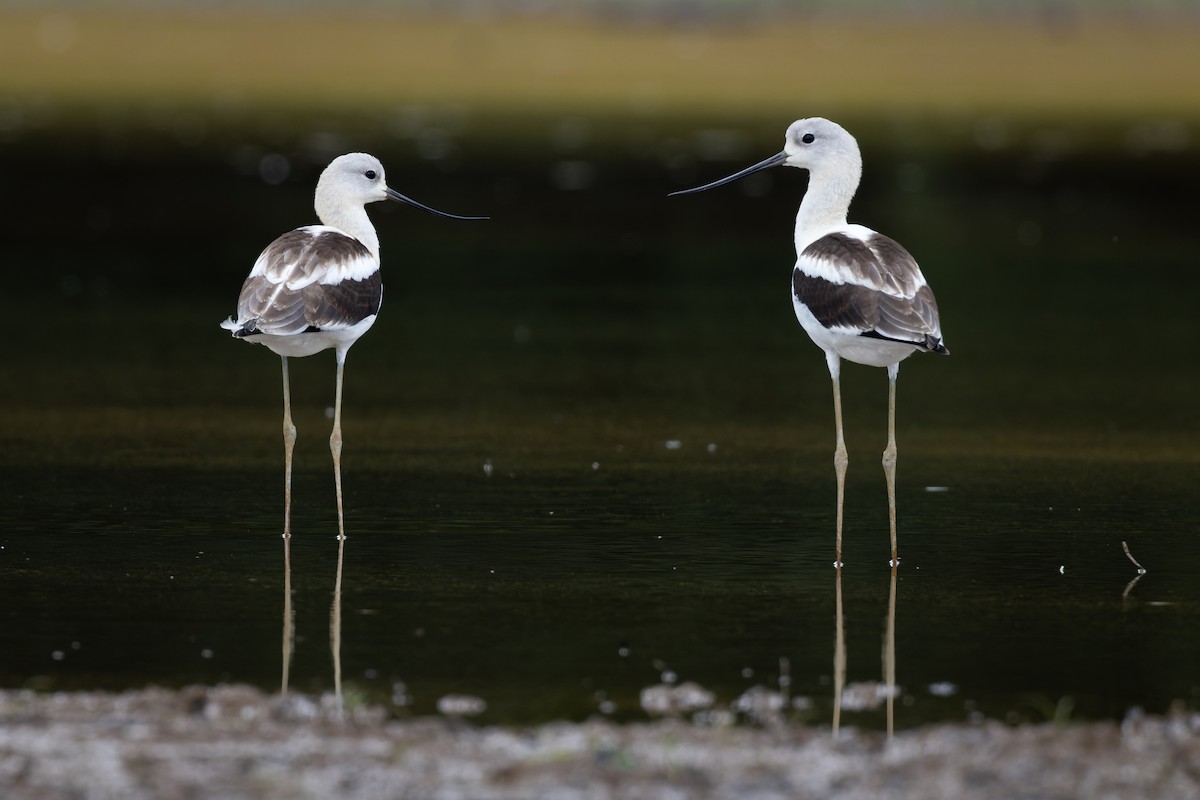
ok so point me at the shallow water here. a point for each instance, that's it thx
(520, 528)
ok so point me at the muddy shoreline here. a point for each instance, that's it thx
(237, 742)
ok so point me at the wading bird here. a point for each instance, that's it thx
(318, 288)
(858, 294)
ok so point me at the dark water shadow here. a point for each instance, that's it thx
(608, 450)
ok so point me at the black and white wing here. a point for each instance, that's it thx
(315, 278)
(861, 282)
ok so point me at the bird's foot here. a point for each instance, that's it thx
(894, 562)
(839, 564)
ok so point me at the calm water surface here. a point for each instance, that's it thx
(521, 530)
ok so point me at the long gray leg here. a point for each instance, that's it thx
(289, 444)
(335, 617)
(335, 446)
(889, 458)
(840, 458)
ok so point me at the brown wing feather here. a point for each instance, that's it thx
(267, 304)
(888, 297)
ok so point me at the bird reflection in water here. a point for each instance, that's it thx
(335, 627)
(289, 616)
(887, 690)
(289, 623)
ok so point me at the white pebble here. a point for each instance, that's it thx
(461, 705)
(665, 699)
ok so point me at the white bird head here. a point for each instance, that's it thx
(815, 144)
(355, 179)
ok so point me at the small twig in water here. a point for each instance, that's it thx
(1129, 586)
(1141, 571)
(1129, 555)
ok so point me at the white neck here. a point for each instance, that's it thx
(351, 219)
(831, 187)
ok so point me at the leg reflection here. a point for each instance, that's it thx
(839, 656)
(889, 656)
(335, 626)
(289, 618)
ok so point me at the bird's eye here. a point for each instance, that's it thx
(808, 138)
(370, 174)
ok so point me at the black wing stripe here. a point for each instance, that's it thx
(836, 305)
(872, 313)
(340, 305)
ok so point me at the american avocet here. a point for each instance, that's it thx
(319, 287)
(858, 294)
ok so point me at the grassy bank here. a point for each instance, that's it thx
(505, 68)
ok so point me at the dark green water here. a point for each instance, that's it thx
(563, 344)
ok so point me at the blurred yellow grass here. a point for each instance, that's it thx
(508, 65)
